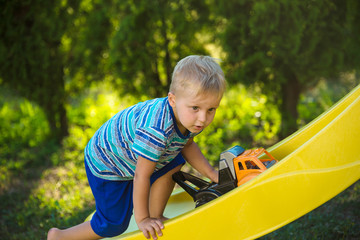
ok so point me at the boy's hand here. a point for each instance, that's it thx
(152, 226)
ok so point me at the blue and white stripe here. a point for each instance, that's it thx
(147, 129)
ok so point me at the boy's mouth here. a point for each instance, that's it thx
(198, 127)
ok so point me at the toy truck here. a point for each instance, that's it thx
(236, 167)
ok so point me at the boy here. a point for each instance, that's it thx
(131, 158)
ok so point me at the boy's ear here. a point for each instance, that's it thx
(172, 99)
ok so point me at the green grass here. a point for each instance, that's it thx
(35, 198)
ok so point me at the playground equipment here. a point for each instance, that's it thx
(315, 164)
(236, 167)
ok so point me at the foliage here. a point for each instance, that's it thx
(30, 58)
(45, 47)
(135, 45)
(315, 100)
(51, 51)
(22, 125)
(287, 46)
(148, 54)
(42, 185)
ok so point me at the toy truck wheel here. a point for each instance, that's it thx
(205, 196)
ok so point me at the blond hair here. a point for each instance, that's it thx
(201, 74)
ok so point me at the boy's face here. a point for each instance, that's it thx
(193, 112)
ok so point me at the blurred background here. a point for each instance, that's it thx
(68, 66)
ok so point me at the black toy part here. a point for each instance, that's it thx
(202, 191)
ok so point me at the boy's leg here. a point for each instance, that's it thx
(113, 211)
(79, 232)
(160, 193)
(114, 205)
(162, 188)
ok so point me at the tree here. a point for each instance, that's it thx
(287, 46)
(50, 50)
(136, 44)
(151, 38)
(31, 59)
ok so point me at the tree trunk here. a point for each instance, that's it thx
(53, 100)
(57, 118)
(64, 126)
(290, 94)
(167, 60)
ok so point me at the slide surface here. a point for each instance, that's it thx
(315, 164)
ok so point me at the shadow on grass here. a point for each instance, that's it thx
(35, 189)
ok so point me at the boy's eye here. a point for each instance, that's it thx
(195, 108)
(212, 109)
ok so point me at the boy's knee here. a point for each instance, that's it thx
(53, 234)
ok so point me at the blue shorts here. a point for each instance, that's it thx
(114, 200)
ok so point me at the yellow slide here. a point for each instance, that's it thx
(315, 164)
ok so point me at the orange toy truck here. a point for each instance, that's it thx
(236, 167)
(248, 165)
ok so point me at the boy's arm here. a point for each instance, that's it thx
(191, 152)
(144, 169)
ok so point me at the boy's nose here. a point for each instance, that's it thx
(202, 117)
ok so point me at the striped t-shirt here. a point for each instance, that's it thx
(147, 129)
